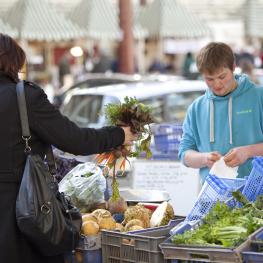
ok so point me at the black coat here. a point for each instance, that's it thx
(47, 126)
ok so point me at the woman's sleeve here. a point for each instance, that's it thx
(53, 128)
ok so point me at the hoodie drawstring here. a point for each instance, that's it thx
(212, 132)
(230, 119)
(212, 125)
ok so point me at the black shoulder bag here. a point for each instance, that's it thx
(44, 215)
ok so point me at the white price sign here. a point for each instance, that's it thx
(182, 183)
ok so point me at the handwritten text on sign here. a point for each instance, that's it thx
(180, 182)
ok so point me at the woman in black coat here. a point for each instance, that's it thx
(47, 127)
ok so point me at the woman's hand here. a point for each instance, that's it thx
(236, 156)
(130, 137)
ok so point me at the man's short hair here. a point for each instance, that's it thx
(215, 56)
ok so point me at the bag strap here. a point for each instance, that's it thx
(20, 91)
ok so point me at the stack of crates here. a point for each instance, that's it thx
(167, 138)
(250, 251)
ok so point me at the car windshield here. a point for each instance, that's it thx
(178, 103)
(83, 110)
(172, 107)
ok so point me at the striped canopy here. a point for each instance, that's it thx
(100, 19)
(7, 29)
(38, 20)
(168, 18)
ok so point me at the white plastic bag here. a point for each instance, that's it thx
(85, 185)
(220, 169)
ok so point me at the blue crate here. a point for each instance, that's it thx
(254, 184)
(214, 189)
(252, 257)
(167, 137)
(258, 236)
(165, 155)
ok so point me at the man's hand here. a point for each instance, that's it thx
(196, 159)
(236, 156)
(211, 158)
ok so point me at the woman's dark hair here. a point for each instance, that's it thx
(12, 56)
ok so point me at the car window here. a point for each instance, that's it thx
(83, 109)
(157, 105)
(177, 104)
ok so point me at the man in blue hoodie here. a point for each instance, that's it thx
(227, 121)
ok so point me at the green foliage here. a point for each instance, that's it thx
(224, 226)
(136, 115)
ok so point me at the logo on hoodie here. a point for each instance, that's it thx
(244, 111)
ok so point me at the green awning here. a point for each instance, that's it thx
(38, 20)
(6, 29)
(168, 18)
(100, 19)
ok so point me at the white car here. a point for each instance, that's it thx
(168, 99)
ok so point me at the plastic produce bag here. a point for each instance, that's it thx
(85, 185)
(221, 170)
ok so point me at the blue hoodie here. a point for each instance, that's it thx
(215, 123)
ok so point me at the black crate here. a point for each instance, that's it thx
(195, 253)
(254, 253)
(201, 253)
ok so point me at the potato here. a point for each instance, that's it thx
(107, 222)
(133, 222)
(89, 217)
(90, 228)
(101, 212)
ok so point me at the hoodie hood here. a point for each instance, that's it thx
(243, 84)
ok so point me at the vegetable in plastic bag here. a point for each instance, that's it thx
(85, 185)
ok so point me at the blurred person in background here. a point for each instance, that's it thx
(170, 66)
(64, 70)
(101, 62)
(247, 67)
(48, 127)
(157, 66)
(187, 65)
(226, 121)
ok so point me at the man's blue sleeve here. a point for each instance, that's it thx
(188, 141)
